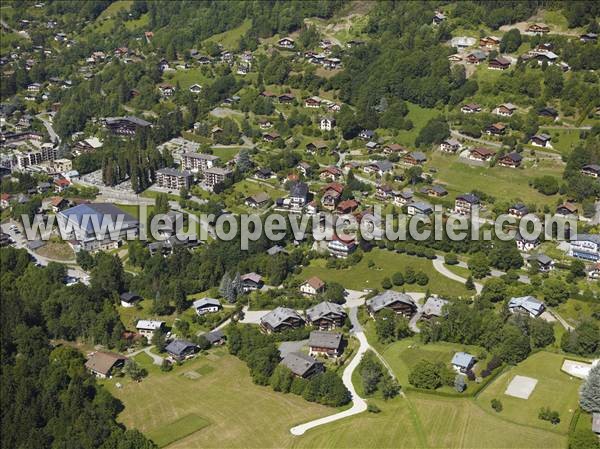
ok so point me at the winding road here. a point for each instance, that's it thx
(359, 405)
(438, 264)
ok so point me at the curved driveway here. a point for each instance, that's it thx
(359, 405)
(438, 264)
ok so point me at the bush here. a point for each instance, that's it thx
(398, 279)
(166, 366)
(372, 408)
(497, 405)
(386, 283)
(546, 414)
(451, 259)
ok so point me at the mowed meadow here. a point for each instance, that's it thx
(211, 402)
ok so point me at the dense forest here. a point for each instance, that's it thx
(48, 398)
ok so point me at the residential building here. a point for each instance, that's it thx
(592, 170)
(489, 42)
(394, 148)
(585, 246)
(298, 195)
(463, 362)
(379, 167)
(312, 102)
(347, 206)
(147, 328)
(171, 178)
(331, 195)
(270, 136)
(450, 146)
(525, 244)
(125, 126)
(257, 200)
(331, 173)
(251, 281)
(464, 204)
(287, 43)
(384, 192)
(280, 319)
(312, 286)
(62, 165)
(206, 305)
(402, 197)
(285, 98)
(527, 305)
(419, 208)
(512, 160)
(505, 110)
(341, 247)
(499, 63)
(476, 57)
(366, 134)
(83, 218)
(181, 349)
(325, 344)
(327, 124)
(415, 158)
(518, 210)
(541, 140)
(326, 316)
(544, 263)
(481, 154)
(538, 29)
(317, 145)
(471, 108)
(566, 209)
(434, 190)
(433, 308)
(216, 337)
(302, 365)
(400, 303)
(496, 129)
(129, 299)
(104, 364)
(198, 162)
(216, 175)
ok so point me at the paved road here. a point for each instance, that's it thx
(21, 243)
(156, 359)
(438, 264)
(359, 405)
(48, 124)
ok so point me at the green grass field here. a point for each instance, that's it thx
(503, 183)
(226, 154)
(563, 140)
(360, 276)
(235, 413)
(403, 355)
(419, 116)
(574, 310)
(181, 428)
(187, 77)
(230, 39)
(554, 389)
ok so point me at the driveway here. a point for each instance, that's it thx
(438, 264)
(359, 405)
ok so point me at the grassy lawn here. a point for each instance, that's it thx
(360, 276)
(461, 271)
(419, 116)
(181, 428)
(554, 389)
(427, 421)
(226, 154)
(403, 355)
(574, 310)
(460, 423)
(230, 39)
(503, 183)
(187, 77)
(563, 140)
(237, 412)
